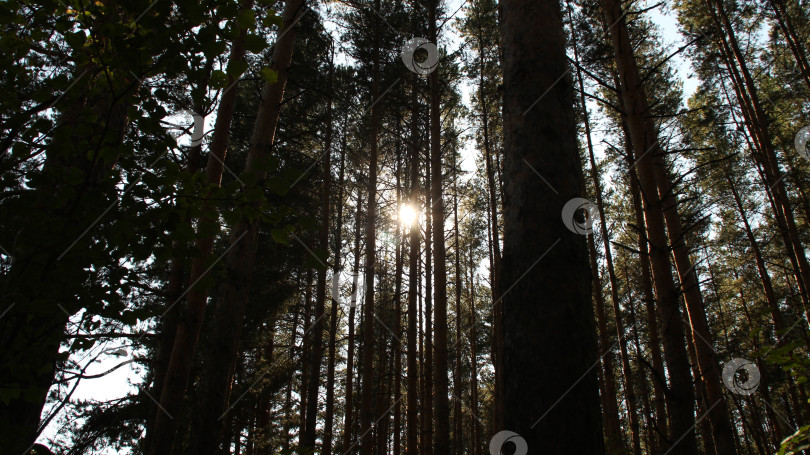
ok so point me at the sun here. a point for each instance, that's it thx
(407, 215)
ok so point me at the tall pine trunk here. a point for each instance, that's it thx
(652, 169)
(548, 328)
(634, 108)
(366, 418)
(610, 408)
(230, 305)
(328, 434)
(189, 324)
(316, 352)
(348, 424)
(441, 387)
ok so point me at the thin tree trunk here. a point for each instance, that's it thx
(423, 443)
(412, 444)
(428, 390)
(768, 158)
(610, 409)
(303, 392)
(764, 276)
(476, 427)
(328, 436)
(187, 333)
(442, 418)
(288, 400)
(495, 262)
(264, 397)
(316, 351)
(366, 418)
(645, 145)
(659, 383)
(629, 392)
(348, 426)
(399, 258)
(794, 42)
(651, 436)
(230, 306)
(458, 437)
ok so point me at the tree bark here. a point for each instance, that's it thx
(476, 427)
(548, 329)
(428, 390)
(316, 351)
(366, 419)
(635, 109)
(230, 305)
(610, 409)
(187, 333)
(412, 439)
(326, 448)
(441, 387)
(658, 380)
(348, 426)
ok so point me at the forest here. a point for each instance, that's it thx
(404, 227)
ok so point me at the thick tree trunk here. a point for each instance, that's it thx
(548, 328)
